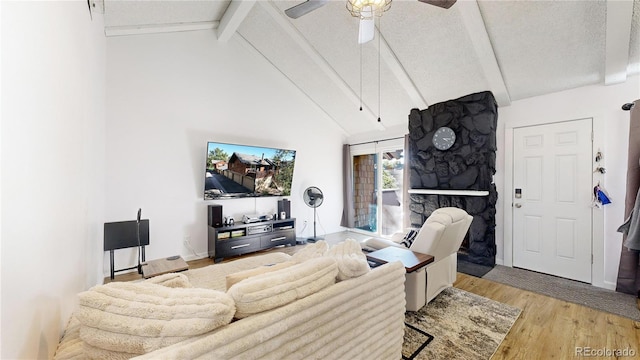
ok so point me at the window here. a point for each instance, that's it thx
(377, 187)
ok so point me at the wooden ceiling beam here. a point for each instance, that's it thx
(619, 18)
(280, 19)
(477, 31)
(389, 57)
(233, 17)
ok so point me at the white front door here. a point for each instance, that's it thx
(552, 180)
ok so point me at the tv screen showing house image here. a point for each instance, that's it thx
(234, 171)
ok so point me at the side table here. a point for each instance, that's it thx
(163, 266)
(415, 284)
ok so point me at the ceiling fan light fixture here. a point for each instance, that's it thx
(367, 9)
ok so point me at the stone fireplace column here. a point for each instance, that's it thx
(468, 165)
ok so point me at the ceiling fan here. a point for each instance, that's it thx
(366, 12)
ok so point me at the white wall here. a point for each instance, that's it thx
(167, 95)
(53, 82)
(603, 104)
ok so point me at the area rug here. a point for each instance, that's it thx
(457, 325)
(567, 290)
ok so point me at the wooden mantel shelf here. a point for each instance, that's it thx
(449, 192)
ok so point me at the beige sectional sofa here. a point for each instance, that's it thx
(290, 313)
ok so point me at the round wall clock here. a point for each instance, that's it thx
(444, 138)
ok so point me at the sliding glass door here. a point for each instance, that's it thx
(377, 187)
(392, 170)
(365, 190)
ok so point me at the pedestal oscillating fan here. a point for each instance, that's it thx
(313, 198)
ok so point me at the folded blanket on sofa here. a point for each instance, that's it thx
(352, 262)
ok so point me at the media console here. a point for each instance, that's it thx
(243, 238)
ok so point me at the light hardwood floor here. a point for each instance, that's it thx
(547, 328)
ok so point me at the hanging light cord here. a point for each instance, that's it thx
(360, 76)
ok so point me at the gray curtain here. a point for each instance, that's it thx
(348, 209)
(629, 270)
(406, 185)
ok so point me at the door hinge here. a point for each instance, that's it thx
(592, 136)
(591, 259)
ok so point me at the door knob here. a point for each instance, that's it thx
(518, 205)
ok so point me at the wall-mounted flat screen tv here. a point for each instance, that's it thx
(235, 171)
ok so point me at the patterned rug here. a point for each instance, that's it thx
(457, 325)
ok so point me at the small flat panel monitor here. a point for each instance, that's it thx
(123, 234)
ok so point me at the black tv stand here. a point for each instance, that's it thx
(244, 238)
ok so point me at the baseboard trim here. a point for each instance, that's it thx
(197, 256)
(606, 285)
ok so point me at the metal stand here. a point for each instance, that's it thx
(314, 238)
(111, 261)
(139, 246)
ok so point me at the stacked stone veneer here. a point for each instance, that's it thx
(364, 173)
(469, 165)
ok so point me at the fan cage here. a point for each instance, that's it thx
(307, 198)
(367, 9)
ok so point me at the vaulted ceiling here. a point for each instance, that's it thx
(516, 49)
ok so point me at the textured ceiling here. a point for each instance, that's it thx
(562, 41)
(516, 49)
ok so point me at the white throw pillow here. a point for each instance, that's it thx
(235, 278)
(311, 251)
(352, 262)
(274, 289)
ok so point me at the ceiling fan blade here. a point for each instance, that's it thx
(367, 31)
(445, 4)
(306, 7)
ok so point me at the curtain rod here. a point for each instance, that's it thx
(377, 141)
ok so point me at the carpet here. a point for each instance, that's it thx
(457, 325)
(567, 290)
(472, 269)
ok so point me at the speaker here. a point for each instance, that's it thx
(214, 217)
(284, 205)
